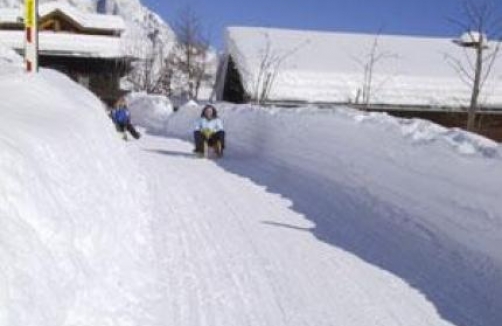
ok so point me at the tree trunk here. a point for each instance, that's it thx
(471, 115)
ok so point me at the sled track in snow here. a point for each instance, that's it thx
(245, 253)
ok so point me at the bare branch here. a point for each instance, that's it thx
(457, 65)
(460, 24)
(269, 68)
(371, 60)
(491, 62)
(189, 57)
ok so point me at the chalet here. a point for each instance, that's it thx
(85, 46)
(404, 75)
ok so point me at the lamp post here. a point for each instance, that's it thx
(31, 35)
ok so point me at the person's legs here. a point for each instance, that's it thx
(199, 141)
(219, 136)
(121, 129)
(217, 141)
(129, 127)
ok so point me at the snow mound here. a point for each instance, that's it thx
(75, 246)
(414, 131)
(190, 105)
(422, 131)
(150, 111)
(10, 61)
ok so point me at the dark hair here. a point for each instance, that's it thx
(209, 106)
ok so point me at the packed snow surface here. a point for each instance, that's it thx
(408, 197)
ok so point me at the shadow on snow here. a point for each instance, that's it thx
(171, 153)
(463, 286)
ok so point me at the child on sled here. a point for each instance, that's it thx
(122, 118)
(209, 132)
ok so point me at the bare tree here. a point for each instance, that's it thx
(479, 22)
(368, 63)
(148, 72)
(270, 62)
(189, 59)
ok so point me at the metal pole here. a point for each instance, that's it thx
(31, 32)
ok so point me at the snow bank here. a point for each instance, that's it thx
(10, 61)
(413, 164)
(150, 111)
(408, 131)
(420, 131)
(74, 211)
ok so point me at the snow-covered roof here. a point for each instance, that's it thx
(10, 16)
(329, 67)
(84, 19)
(78, 45)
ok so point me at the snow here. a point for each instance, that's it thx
(149, 111)
(472, 38)
(74, 208)
(138, 21)
(10, 61)
(142, 24)
(236, 254)
(69, 44)
(413, 198)
(321, 67)
(83, 5)
(84, 19)
(9, 15)
(313, 217)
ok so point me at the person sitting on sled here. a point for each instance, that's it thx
(209, 130)
(122, 118)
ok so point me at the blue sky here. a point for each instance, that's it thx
(417, 17)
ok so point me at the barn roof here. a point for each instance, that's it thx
(330, 67)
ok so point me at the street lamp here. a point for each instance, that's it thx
(472, 39)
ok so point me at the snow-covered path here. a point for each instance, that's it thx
(367, 221)
(234, 254)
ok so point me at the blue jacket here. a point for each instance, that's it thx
(120, 115)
